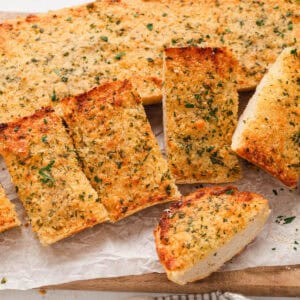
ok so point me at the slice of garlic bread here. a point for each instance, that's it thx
(8, 215)
(268, 132)
(200, 102)
(119, 152)
(198, 234)
(53, 189)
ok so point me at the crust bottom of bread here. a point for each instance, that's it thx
(212, 180)
(10, 225)
(8, 215)
(213, 262)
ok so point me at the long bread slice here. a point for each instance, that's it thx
(268, 132)
(198, 234)
(200, 104)
(50, 56)
(8, 215)
(53, 189)
(119, 152)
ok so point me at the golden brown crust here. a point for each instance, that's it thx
(200, 114)
(258, 156)
(202, 222)
(118, 150)
(8, 215)
(73, 50)
(54, 191)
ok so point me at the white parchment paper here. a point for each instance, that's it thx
(127, 248)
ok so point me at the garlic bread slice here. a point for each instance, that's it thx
(118, 150)
(198, 234)
(268, 132)
(42, 162)
(200, 106)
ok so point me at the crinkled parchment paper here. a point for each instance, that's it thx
(127, 248)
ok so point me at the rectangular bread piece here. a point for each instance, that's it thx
(198, 234)
(51, 185)
(119, 152)
(50, 56)
(8, 215)
(200, 106)
(268, 132)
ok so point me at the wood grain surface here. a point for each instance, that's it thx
(262, 281)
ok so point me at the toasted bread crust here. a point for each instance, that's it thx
(118, 150)
(8, 215)
(54, 191)
(268, 134)
(202, 222)
(70, 51)
(200, 103)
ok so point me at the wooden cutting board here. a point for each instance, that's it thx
(262, 281)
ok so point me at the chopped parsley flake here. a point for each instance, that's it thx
(150, 26)
(189, 105)
(260, 22)
(284, 220)
(97, 179)
(45, 173)
(104, 38)
(120, 55)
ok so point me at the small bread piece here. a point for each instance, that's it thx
(198, 234)
(8, 215)
(200, 102)
(53, 189)
(268, 132)
(118, 150)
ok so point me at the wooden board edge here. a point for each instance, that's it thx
(277, 281)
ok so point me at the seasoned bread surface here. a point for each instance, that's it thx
(54, 191)
(268, 132)
(67, 52)
(200, 104)
(118, 150)
(198, 234)
(8, 215)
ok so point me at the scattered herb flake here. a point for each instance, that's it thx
(150, 26)
(97, 179)
(104, 38)
(260, 22)
(189, 105)
(168, 189)
(45, 173)
(54, 97)
(44, 139)
(283, 220)
(229, 192)
(120, 55)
